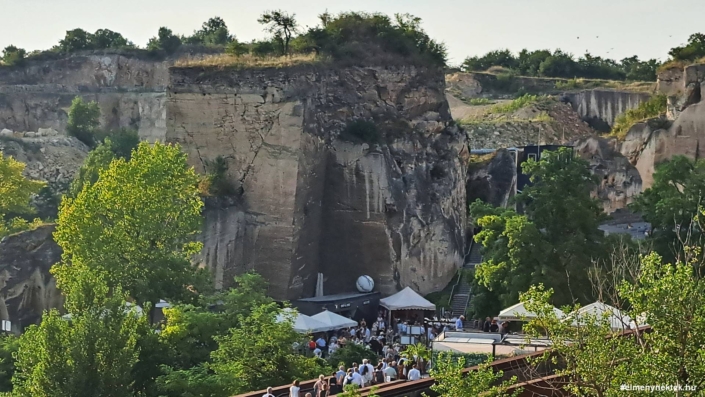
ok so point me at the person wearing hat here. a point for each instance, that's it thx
(459, 323)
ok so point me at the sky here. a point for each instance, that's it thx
(609, 28)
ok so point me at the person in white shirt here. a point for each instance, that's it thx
(318, 352)
(269, 393)
(459, 323)
(352, 378)
(369, 372)
(321, 342)
(332, 348)
(368, 334)
(352, 332)
(414, 374)
(294, 389)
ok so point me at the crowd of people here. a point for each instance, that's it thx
(381, 338)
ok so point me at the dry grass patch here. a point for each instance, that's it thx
(247, 61)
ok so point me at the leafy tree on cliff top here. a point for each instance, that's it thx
(282, 25)
(166, 40)
(213, 32)
(137, 223)
(12, 55)
(92, 354)
(693, 50)
(672, 203)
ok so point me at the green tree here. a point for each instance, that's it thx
(452, 382)
(137, 223)
(105, 38)
(281, 24)
(9, 344)
(15, 189)
(672, 204)
(166, 40)
(694, 49)
(12, 55)
(554, 243)
(350, 354)
(75, 40)
(353, 390)
(259, 353)
(92, 354)
(596, 359)
(213, 32)
(84, 120)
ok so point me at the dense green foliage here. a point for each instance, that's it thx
(560, 64)
(667, 297)
(84, 120)
(452, 382)
(92, 354)
(360, 37)
(166, 40)
(9, 344)
(15, 194)
(654, 107)
(672, 204)
(352, 353)
(79, 40)
(12, 55)
(216, 182)
(213, 32)
(281, 25)
(692, 51)
(135, 223)
(554, 242)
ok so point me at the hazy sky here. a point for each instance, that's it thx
(647, 28)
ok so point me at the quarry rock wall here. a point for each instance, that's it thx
(312, 201)
(131, 93)
(600, 108)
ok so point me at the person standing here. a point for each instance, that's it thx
(504, 330)
(318, 386)
(486, 326)
(390, 373)
(459, 323)
(414, 374)
(494, 327)
(379, 374)
(369, 371)
(294, 389)
(268, 393)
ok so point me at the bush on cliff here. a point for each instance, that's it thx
(654, 107)
(359, 38)
(166, 40)
(213, 32)
(84, 119)
(79, 39)
(12, 56)
(693, 50)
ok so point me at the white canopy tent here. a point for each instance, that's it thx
(406, 299)
(334, 320)
(303, 323)
(519, 313)
(599, 311)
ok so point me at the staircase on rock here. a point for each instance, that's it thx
(461, 293)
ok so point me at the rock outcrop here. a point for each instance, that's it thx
(599, 108)
(314, 199)
(26, 285)
(649, 143)
(619, 181)
(493, 180)
(131, 93)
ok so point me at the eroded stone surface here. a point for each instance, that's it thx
(311, 202)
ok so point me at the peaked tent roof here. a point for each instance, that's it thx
(600, 311)
(303, 323)
(407, 299)
(334, 320)
(518, 313)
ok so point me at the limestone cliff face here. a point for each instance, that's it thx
(618, 180)
(26, 286)
(600, 108)
(649, 143)
(312, 202)
(493, 181)
(130, 91)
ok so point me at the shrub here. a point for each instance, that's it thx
(84, 119)
(471, 359)
(217, 179)
(236, 48)
(693, 50)
(654, 107)
(263, 48)
(12, 55)
(360, 131)
(166, 40)
(351, 353)
(521, 102)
